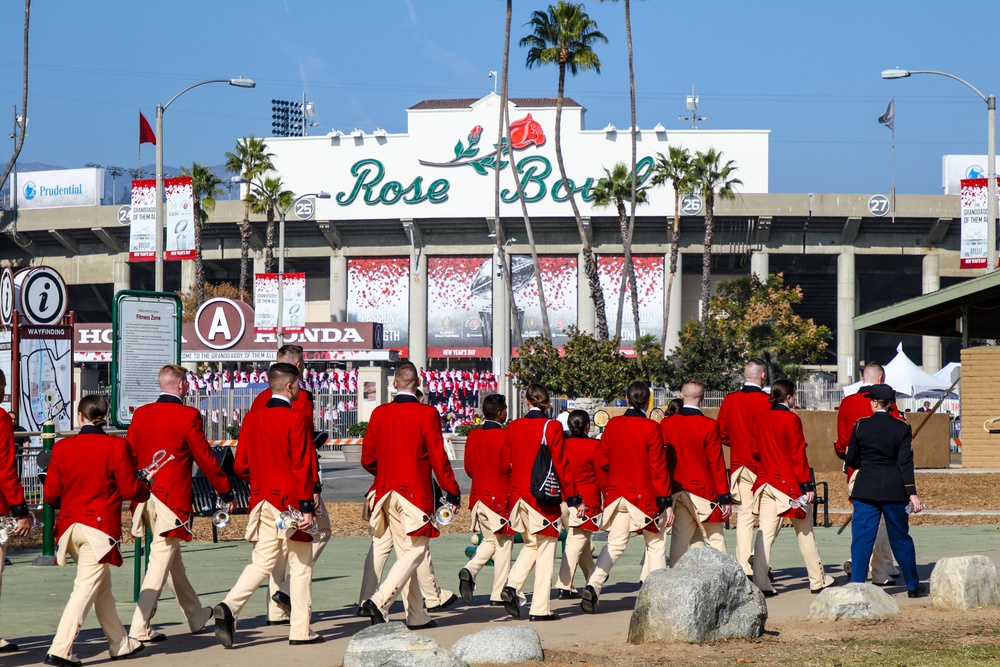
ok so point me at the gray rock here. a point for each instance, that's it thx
(393, 644)
(500, 645)
(852, 601)
(704, 597)
(965, 582)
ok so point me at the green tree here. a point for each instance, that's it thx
(266, 195)
(675, 168)
(564, 35)
(205, 188)
(538, 361)
(250, 160)
(614, 189)
(712, 179)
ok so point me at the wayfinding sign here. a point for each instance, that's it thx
(146, 336)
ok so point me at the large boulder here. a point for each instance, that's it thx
(704, 597)
(852, 601)
(965, 582)
(392, 644)
(500, 645)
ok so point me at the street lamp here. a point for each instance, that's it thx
(991, 156)
(161, 218)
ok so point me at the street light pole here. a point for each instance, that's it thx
(161, 217)
(991, 156)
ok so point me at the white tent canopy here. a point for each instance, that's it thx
(951, 372)
(904, 376)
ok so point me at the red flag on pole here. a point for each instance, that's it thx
(146, 134)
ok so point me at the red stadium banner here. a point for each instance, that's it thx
(649, 281)
(378, 290)
(460, 307)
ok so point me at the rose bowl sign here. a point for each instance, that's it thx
(222, 331)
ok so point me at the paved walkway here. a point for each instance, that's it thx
(33, 598)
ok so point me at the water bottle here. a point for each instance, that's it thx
(909, 508)
(799, 502)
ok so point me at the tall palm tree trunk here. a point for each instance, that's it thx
(245, 252)
(199, 264)
(24, 104)
(269, 241)
(632, 202)
(706, 257)
(628, 275)
(589, 261)
(675, 239)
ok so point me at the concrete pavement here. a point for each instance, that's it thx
(33, 599)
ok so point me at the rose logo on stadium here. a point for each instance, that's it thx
(524, 132)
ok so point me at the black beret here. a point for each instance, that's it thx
(881, 392)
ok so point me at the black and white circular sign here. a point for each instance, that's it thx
(6, 296)
(43, 298)
(692, 204)
(125, 215)
(305, 209)
(878, 206)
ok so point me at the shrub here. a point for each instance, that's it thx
(357, 430)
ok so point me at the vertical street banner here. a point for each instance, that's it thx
(142, 231)
(265, 303)
(649, 284)
(180, 218)
(6, 360)
(975, 223)
(460, 307)
(293, 303)
(559, 281)
(378, 290)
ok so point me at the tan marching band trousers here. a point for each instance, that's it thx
(92, 587)
(378, 554)
(393, 515)
(278, 581)
(620, 527)
(266, 552)
(690, 531)
(741, 488)
(769, 503)
(577, 552)
(165, 567)
(497, 547)
(880, 566)
(538, 553)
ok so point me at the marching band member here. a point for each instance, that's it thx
(852, 408)
(782, 477)
(538, 523)
(12, 502)
(488, 500)
(736, 418)
(591, 480)
(176, 429)
(88, 477)
(278, 460)
(701, 499)
(631, 451)
(402, 445)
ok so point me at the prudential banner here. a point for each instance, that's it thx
(180, 218)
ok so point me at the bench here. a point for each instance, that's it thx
(203, 496)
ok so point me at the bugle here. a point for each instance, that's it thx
(160, 459)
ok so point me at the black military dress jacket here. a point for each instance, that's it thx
(881, 449)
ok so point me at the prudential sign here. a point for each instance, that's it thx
(59, 189)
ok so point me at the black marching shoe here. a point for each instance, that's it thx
(918, 592)
(9, 648)
(61, 662)
(281, 622)
(588, 599)
(496, 603)
(225, 624)
(371, 611)
(426, 626)
(441, 607)
(887, 582)
(569, 595)
(546, 617)
(510, 601)
(817, 591)
(769, 594)
(466, 584)
(283, 601)
(303, 642)
(130, 654)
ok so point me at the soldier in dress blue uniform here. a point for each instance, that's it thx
(881, 449)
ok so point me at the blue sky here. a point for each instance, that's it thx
(807, 71)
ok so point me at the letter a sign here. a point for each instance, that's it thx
(220, 323)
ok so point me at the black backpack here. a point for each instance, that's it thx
(545, 486)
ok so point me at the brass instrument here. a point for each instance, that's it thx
(160, 459)
(601, 418)
(221, 517)
(8, 525)
(291, 518)
(444, 511)
(656, 414)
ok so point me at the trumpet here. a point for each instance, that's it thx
(221, 517)
(160, 459)
(291, 518)
(445, 513)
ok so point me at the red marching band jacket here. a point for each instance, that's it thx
(88, 477)
(585, 466)
(177, 429)
(694, 455)
(490, 477)
(304, 404)
(780, 450)
(520, 447)
(402, 445)
(851, 409)
(277, 459)
(12, 502)
(737, 415)
(631, 452)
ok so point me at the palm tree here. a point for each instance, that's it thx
(614, 189)
(677, 169)
(205, 188)
(711, 179)
(265, 195)
(251, 161)
(564, 35)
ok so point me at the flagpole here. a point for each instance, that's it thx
(893, 158)
(138, 160)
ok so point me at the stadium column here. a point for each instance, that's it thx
(121, 275)
(759, 265)
(847, 361)
(418, 311)
(676, 301)
(338, 287)
(932, 283)
(187, 275)
(586, 316)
